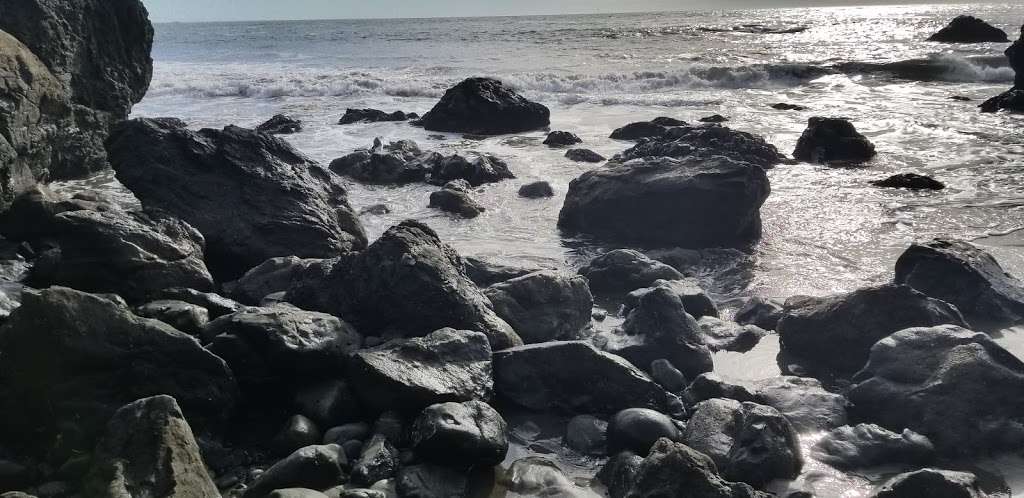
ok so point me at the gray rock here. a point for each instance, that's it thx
(760, 312)
(804, 402)
(378, 461)
(537, 476)
(695, 300)
(460, 435)
(868, 445)
(931, 483)
(536, 190)
(720, 335)
(543, 306)
(188, 318)
(394, 163)
(270, 276)
(484, 106)
(584, 156)
(637, 429)
(704, 142)
(833, 139)
(457, 201)
(624, 270)
(674, 469)
(586, 434)
(312, 467)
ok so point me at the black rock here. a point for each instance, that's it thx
(695, 299)
(251, 195)
(748, 442)
(804, 402)
(667, 375)
(957, 387)
(280, 124)
(186, 317)
(966, 276)
(637, 429)
(836, 333)
(829, 140)
(586, 434)
(1011, 100)
(355, 431)
(782, 106)
(669, 202)
(674, 469)
(910, 181)
(485, 106)
(273, 275)
(931, 483)
(619, 473)
(709, 385)
(543, 306)
(394, 163)
(461, 434)
(297, 432)
(536, 190)
(486, 273)
(721, 335)
(624, 270)
(714, 118)
(372, 116)
(328, 403)
(584, 156)
(476, 168)
(431, 481)
(639, 130)
(561, 139)
(407, 375)
(761, 312)
(969, 29)
(868, 445)
(316, 467)
(454, 198)
(572, 377)
(379, 460)
(705, 142)
(960, 98)
(215, 304)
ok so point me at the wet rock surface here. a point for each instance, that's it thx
(910, 181)
(868, 445)
(624, 270)
(543, 306)
(280, 124)
(485, 106)
(829, 140)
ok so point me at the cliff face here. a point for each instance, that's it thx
(69, 69)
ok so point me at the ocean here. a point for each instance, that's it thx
(825, 230)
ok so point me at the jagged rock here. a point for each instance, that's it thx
(373, 116)
(668, 201)
(188, 318)
(461, 434)
(748, 442)
(868, 445)
(251, 195)
(705, 142)
(80, 357)
(407, 283)
(966, 276)
(273, 275)
(484, 106)
(957, 387)
(455, 198)
(572, 377)
(447, 365)
(543, 306)
(931, 483)
(619, 473)
(695, 300)
(379, 460)
(760, 312)
(536, 190)
(586, 434)
(637, 429)
(215, 304)
(486, 273)
(584, 156)
(910, 181)
(720, 335)
(835, 333)
(280, 124)
(969, 29)
(833, 139)
(624, 270)
(674, 469)
(561, 139)
(314, 467)
(149, 450)
(804, 402)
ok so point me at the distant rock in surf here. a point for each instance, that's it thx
(638, 130)
(782, 106)
(280, 124)
(969, 29)
(714, 118)
(485, 106)
(584, 156)
(454, 198)
(706, 140)
(561, 139)
(1012, 100)
(910, 181)
(828, 140)
(402, 161)
(373, 116)
(536, 190)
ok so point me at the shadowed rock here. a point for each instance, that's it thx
(969, 29)
(484, 106)
(280, 124)
(828, 140)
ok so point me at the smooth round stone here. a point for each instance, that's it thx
(637, 429)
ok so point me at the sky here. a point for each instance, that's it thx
(247, 10)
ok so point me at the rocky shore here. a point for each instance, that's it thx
(240, 335)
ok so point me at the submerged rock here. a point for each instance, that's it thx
(714, 118)
(280, 124)
(969, 29)
(966, 276)
(669, 202)
(931, 483)
(674, 469)
(868, 445)
(536, 190)
(836, 333)
(957, 387)
(910, 181)
(463, 435)
(373, 116)
(624, 270)
(561, 139)
(543, 306)
(707, 141)
(584, 156)
(829, 140)
(251, 195)
(782, 106)
(485, 106)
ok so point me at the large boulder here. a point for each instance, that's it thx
(966, 276)
(94, 247)
(463, 435)
(835, 333)
(931, 483)
(485, 106)
(704, 142)
(251, 195)
(407, 375)
(748, 442)
(674, 469)
(272, 276)
(957, 387)
(637, 429)
(969, 29)
(868, 445)
(72, 359)
(149, 450)
(543, 306)
(71, 69)
(665, 201)
(828, 140)
(625, 270)
(407, 283)
(572, 377)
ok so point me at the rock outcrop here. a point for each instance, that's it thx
(969, 29)
(484, 106)
(280, 124)
(706, 141)
(1013, 99)
(833, 140)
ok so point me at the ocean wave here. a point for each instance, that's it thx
(938, 67)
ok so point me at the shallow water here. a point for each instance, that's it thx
(825, 230)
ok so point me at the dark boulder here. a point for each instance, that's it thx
(408, 375)
(639, 130)
(475, 168)
(463, 435)
(957, 387)
(79, 357)
(835, 333)
(572, 377)
(619, 472)
(695, 300)
(624, 270)
(707, 141)
(721, 335)
(147, 450)
(674, 469)
(868, 445)
(804, 402)
(484, 106)
(454, 198)
(543, 306)
(669, 202)
(280, 124)
(315, 467)
(485, 273)
(910, 181)
(251, 195)
(373, 116)
(748, 442)
(761, 312)
(586, 434)
(379, 460)
(714, 118)
(637, 429)
(966, 276)
(584, 156)
(537, 190)
(407, 283)
(709, 385)
(969, 29)
(931, 483)
(667, 375)
(431, 481)
(561, 139)
(829, 140)
(186, 317)
(782, 106)
(1013, 99)
(272, 275)
(394, 163)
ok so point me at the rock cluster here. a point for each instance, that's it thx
(401, 162)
